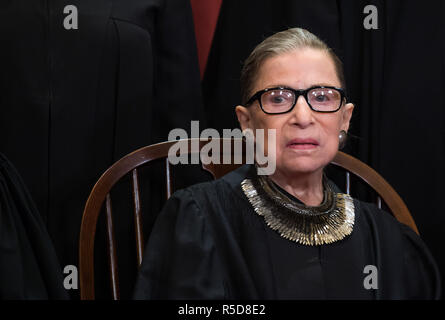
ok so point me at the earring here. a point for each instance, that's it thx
(342, 139)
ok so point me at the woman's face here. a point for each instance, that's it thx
(299, 69)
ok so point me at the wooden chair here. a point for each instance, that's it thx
(129, 164)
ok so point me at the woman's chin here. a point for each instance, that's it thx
(304, 161)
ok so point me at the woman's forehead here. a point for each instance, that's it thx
(298, 69)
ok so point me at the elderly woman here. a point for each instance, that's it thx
(291, 234)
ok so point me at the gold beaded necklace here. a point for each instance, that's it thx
(331, 221)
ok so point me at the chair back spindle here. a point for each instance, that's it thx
(137, 217)
(379, 202)
(168, 179)
(112, 259)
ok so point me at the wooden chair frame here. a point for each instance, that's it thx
(100, 194)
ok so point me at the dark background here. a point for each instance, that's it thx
(72, 103)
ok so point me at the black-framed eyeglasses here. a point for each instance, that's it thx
(283, 99)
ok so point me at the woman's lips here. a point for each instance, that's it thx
(302, 144)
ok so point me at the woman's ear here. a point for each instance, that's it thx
(346, 116)
(244, 118)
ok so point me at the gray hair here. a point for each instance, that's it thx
(279, 43)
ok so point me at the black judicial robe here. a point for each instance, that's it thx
(74, 101)
(29, 268)
(208, 243)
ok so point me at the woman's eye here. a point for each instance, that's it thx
(278, 99)
(321, 98)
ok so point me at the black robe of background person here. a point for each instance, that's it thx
(72, 102)
(29, 268)
(395, 76)
(208, 243)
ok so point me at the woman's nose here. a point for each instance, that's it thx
(302, 113)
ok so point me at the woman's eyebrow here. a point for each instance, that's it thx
(320, 84)
(323, 84)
